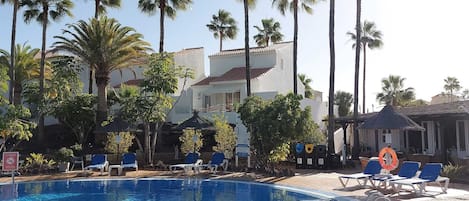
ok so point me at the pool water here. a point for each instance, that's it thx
(154, 189)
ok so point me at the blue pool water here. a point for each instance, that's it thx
(189, 189)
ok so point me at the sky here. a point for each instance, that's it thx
(425, 41)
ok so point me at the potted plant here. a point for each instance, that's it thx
(63, 157)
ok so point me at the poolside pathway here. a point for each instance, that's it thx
(323, 180)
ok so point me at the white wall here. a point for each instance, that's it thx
(221, 64)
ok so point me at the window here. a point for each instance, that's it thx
(206, 101)
(461, 135)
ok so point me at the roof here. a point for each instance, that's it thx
(135, 82)
(388, 118)
(238, 73)
(252, 49)
(453, 108)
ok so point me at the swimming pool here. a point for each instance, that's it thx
(155, 189)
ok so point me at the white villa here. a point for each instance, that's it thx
(271, 74)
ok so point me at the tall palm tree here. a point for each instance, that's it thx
(307, 83)
(11, 69)
(394, 92)
(166, 8)
(100, 8)
(248, 4)
(270, 32)
(330, 117)
(42, 11)
(26, 67)
(372, 38)
(356, 140)
(292, 5)
(105, 45)
(452, 85)
(223, 26)
(344, 100)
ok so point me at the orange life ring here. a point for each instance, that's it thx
(394, 162)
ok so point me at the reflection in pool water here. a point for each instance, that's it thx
(154, 189)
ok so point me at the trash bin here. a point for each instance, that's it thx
(309, 156)
(300, 155)
(319, 156)
(333, 161)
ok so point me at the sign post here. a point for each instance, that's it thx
(10, 163)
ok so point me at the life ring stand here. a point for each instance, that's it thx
(394, 162)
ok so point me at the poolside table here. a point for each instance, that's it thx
(118, 167)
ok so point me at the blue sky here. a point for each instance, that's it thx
(425, 41)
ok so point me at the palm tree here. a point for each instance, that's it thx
(105, 45)
(26, 67)
(166, 8)
(356, 140)
(330, 117)
(283, 5)
(247, 5)
(307, 83)
(11, 69)
(223, 26)
(270, 32)
(452, 85)
(372, 38)
(41, 10)
(344, 100)
(100, 8)
(394, 93)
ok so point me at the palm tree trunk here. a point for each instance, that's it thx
(11, 70)
(330, 121)
(221, 40)
(364, 77)
(246, 48)
(295, 46)
(101, 81)
(356, 141)
(90, 80)
(162, 12)
(17, 95)
(42, 66)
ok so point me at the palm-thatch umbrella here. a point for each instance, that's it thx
(388, 118)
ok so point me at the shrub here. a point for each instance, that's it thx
(64, 154)
(125, 142)
(453, 171)
(187, 140)
(225, 137)
(37, 163)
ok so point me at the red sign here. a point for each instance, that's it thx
(10, 161)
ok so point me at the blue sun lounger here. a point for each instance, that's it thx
(429, 174)
(408, 170)
(372, 168)
(98, 161)
(191, 162)
(129, 160)
(218, 160)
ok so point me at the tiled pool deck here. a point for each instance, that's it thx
(323, 180)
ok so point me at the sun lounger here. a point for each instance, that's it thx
(429, 174)
(218, 160)
(129, 160)
(98, 161)
(372, 168)
(191, 162)
(408, 170)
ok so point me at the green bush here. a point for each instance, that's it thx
(123, 147)
(187, 140)
(453, 171)
(225, 137)
(37, 163)
(64, 154)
